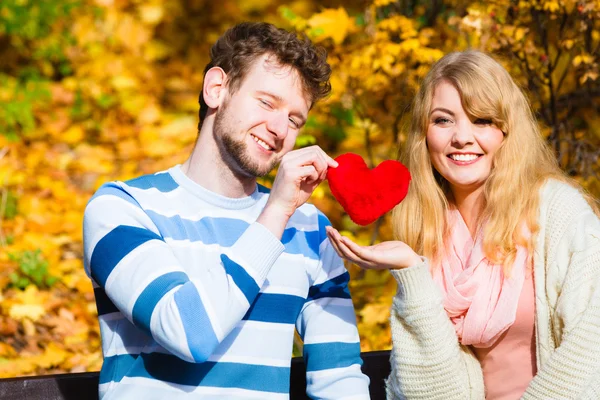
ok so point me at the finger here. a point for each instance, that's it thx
(334, 238)
(307, 174)
(333, 235)
(320, 162)
(316, 150)
(359, 255)
(334, 244)
(360, 251)
(308, 156)
(347, 253)
(352, 258)
(328, 160)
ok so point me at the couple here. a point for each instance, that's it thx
(201, 275)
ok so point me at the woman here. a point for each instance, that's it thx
(498, 263)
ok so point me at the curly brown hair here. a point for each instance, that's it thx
(242, 44)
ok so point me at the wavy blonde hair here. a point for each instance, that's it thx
(520, 167)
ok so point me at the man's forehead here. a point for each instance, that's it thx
(269, 64)
(270, 67)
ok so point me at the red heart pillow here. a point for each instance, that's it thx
(366, 194)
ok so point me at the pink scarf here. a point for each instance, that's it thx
(479, 299)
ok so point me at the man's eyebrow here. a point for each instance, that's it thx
(442, 109)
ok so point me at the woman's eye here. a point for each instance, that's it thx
(483, 121)
(441, 120)
(294, 123)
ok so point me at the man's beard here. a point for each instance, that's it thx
(235, 152)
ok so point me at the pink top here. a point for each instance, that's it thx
(509, 365)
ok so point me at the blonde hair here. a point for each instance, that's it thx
(520, 167)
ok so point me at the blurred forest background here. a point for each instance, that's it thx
(98, 90)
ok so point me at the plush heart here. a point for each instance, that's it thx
(366, 194)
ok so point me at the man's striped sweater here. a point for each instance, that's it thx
(197, 300)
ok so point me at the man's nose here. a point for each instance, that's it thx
(278, 124)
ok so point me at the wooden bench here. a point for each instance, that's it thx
(84, 386)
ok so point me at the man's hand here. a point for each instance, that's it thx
(300, 172)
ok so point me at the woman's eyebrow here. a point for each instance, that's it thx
(443, 110)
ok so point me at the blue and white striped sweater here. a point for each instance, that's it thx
(197, 300)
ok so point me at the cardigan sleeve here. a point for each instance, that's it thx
(427, 360)
(572, 257)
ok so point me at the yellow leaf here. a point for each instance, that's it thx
(183, 129)
(318, 193)
(73, 135)
(551, 6)
(23, 366)
(410, 45)
(129, 149)
(21, 312)
(123, 82)
(589, 75)
(151, 13)
(7, 350)
(31, 295)
(131, 32)
(331, 23)
(156, 50)
(383, 3)
(53, 356)
(520, 33)
(568, 44)
(155, 145)
(373, 314)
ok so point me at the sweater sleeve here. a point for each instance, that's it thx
(572, 236)
(136, 270)
(427, 360)
(327, 325)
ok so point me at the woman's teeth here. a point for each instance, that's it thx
(463, 157)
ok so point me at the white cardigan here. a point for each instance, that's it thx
(429, 363)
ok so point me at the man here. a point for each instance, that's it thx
(200, 274)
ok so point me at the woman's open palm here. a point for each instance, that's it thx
(386, 255)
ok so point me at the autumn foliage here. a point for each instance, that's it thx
(98, 90)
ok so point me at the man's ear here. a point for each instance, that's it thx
(215, 87)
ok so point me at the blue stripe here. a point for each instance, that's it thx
(114, 246)
(168, 368)
(336, 287)
(226, 231)
(116, 368)
(163, 181)
(263, 189)
(103, 304)
(323, 223)
(241, 278)
(112, 189)
(301, 242)
(146, 302)
(320, 356)
(200, 336)
(278, 308)
(223, 231)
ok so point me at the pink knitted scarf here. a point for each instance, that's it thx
(479, 299)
